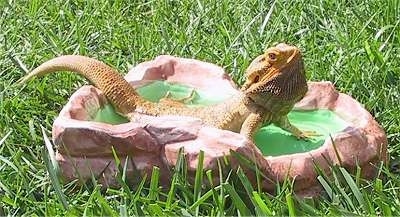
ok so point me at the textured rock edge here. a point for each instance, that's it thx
(364, 142)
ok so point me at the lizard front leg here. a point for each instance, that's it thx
(284, 123)
(254, 122)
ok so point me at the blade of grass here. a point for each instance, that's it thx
(123, 208)
(155, 210)
(155, 177)
(327, 188)
(121, 175)
(222, 197)
(9, 163)
(290, 204)
(237, 201)
(357, 193)
(336, 150)
(261, 204)
(266, 18)
(102, 202)
(198, 181)
(249, 188)
(5, 137)
(245, 181)
(171, 192)
(341, 190)
(310, 210)
(52, 168)
(217, 201)
(203, 198)
(135, 198)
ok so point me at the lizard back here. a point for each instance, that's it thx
(125, 98)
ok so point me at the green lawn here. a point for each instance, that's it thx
(354, 44)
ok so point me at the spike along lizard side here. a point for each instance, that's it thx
(275, 81)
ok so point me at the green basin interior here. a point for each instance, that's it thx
(271, 140)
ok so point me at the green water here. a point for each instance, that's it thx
(271, 140)
(107, 114)
(159, 89)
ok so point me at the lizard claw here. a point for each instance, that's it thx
(307, 134)
(186, 99)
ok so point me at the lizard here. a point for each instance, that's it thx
(274, 82)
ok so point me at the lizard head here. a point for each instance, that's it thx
(271, 63)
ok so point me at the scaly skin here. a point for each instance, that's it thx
(274, 82)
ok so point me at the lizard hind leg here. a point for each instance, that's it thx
(167, 99)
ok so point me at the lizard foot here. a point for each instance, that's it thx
(167, 99)
(184, 100)
(307, 134)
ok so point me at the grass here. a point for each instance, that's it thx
(354, 45)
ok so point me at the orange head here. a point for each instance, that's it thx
(271, 63)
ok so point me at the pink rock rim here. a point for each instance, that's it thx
(364, 141)
(364, 129)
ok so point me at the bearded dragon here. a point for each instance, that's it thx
(275, 81)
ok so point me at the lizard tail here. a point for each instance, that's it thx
(117, 90)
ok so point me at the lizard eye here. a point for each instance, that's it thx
(272, 56)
